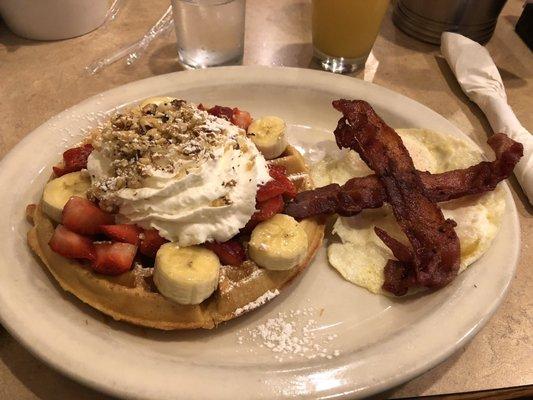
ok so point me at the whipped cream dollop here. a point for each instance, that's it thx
(194, 178)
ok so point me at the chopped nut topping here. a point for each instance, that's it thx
(221, 201)
(167, 137)
(230, 183)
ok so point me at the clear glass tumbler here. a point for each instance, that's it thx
(344, 32)
(209, 32)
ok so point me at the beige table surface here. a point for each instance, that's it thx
(40, 79)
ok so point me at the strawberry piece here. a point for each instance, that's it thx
(288, 185)
(126, 233)
(229, 253)
(268, 208)
(113, 258)
(151, 242)
(77, 156)
(242, 119)
(221, 112)
(74, 159)
(82, 216)
(270, 189)
(280, 185)
(277, 171)
(71, 245)
(62, 170)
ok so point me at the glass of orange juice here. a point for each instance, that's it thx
(344, 32)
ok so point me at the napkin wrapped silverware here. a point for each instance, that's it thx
(480, 80)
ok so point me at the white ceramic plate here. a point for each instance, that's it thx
(381, 342)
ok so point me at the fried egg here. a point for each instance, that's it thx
(360, 256)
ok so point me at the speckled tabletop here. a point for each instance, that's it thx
(40, 79)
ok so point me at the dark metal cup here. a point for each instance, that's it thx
(427, 19)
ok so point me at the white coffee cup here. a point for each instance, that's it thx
(53, 19)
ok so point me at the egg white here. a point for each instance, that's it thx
(360, 256)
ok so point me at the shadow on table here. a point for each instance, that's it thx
(163, 59)
(420, 386)
(43, 381)
(12, 42)
(295, 55)
(392, 34)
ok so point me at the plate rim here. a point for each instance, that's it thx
(263, 71)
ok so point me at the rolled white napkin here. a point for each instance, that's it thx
(480, 80)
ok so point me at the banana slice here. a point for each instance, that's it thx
(59, 190)
(187, 275)
(157, 100)
(268, 134)
(279, 243)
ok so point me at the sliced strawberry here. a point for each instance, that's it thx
(221, 112)
(289, 186)
(62, 170)
(242, 119)
(279, 185)
(71, 245)
(151, 242)
(268, 208)
(74, 159)
(113, 258)
(229, 253)
(270, 189)
(277, 171)
(77, 156)
(127, 233)
(82, 216)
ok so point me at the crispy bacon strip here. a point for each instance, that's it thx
(368, 192)
(399, 250)
(435, 244)
(399, 275)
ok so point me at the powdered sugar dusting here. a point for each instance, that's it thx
(290, 335)
(91, 121)
(231, 285)
(269, 295)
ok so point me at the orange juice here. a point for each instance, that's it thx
(346, 28)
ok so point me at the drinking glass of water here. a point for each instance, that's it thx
(209, 32)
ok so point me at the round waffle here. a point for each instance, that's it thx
(133, 298)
